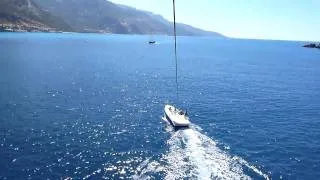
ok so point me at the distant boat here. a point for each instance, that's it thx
(152, 42)
(176, 117)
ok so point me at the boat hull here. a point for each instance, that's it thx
(174, 118)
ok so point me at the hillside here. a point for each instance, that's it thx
(105, 16)
(90, 16)
(25, 15)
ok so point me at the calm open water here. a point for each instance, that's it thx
(90, 106)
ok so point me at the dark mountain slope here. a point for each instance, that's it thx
(87, 16)
(105, 16)
(27, 14)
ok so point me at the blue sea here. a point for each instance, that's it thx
(90, 106)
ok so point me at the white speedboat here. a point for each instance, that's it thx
(176, 117)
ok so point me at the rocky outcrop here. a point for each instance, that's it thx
(312, 45)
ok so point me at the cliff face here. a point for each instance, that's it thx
(89, 16)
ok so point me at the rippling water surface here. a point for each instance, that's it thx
(90, 106)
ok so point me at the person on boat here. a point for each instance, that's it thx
(181, 112)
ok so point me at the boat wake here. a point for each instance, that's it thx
(193, 155)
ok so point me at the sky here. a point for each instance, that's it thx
(250, 19)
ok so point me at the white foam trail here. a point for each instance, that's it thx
(253, 168)
(193, 155)
(200, 158)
